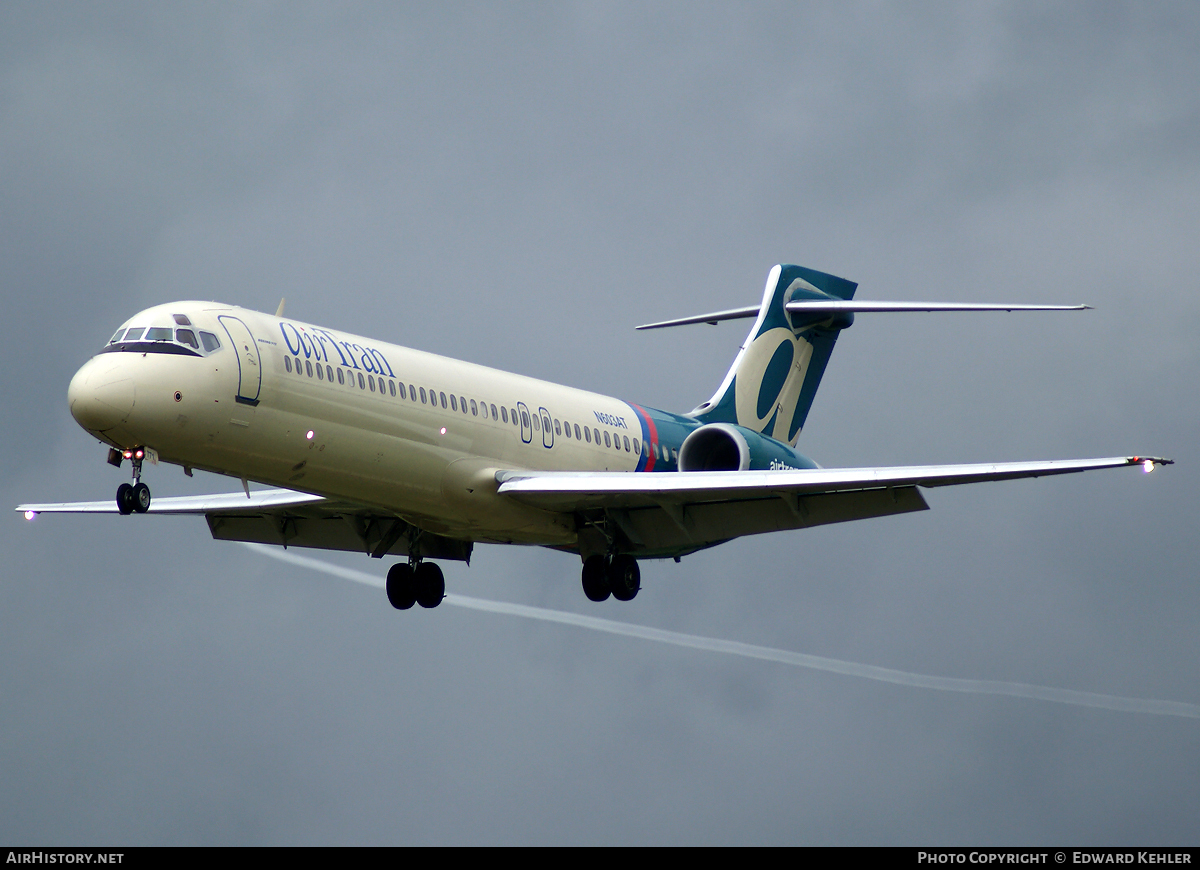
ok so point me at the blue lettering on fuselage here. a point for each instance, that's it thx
(611, 420)
(315, 344)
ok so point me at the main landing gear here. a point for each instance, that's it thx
(415, 582)
(619, 576)
(133, 498)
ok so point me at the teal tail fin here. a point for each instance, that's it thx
(771, 385)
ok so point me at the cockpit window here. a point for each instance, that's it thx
(135, 333)
(158, 333)
(210, 341)
(182, 319)
(186, 336)
(117, 336)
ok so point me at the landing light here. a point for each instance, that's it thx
(30, 514)
(443, 430)
(309, 434)
(1148, 465)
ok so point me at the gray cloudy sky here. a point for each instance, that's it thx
(519, 185)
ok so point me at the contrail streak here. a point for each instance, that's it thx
(768, 654)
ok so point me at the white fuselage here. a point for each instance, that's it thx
(416, 434)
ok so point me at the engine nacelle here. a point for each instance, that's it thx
(726, 447)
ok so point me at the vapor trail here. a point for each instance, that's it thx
(764, 653)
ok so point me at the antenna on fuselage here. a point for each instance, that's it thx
(279, 310)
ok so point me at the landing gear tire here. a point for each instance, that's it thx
(141, 497)
(125, 499)
(401, 587)
(624, 577)
(431, 585)
(595, 581)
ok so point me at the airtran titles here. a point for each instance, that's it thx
(322, 345)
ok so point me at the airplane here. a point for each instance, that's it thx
(388, 450)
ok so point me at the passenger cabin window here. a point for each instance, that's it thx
(392, 388)
(607, 442)
(637, 448)
(320, 372)
(474, 409)
(536, 425)
(341, 377)
(329, 373)
(362, 384)
(443, 397)
(495, 416)
(557, 428)
(577, 431)
(287, 364)
(625, 440)
(587, 434)
(453, 404)
(462, 404)
(412, 393)
(211, 342)
(503, 414)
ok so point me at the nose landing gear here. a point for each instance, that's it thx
(133, 498)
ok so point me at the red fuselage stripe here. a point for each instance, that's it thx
(653, 430)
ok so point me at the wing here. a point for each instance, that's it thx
(238, 502)
(676, 512)
(291, 519)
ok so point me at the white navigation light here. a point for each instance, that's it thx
(1148, 465)
(30, 514)
(443, 430)
(309, 434)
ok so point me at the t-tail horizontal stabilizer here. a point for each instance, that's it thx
(857, 306)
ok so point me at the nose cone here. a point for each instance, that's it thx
(101, 394)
